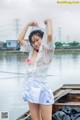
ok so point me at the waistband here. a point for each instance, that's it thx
(38, 79)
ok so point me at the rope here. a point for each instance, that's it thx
(20, 73)
(11, 72)
(12, 77)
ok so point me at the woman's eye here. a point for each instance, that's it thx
(33, 42)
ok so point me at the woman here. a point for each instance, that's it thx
(37, 92)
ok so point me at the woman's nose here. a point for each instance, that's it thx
(35, 43)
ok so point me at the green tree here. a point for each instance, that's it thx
(58, 44)
(74, 43)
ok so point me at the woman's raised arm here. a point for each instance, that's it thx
(48, 23)
(23, 32)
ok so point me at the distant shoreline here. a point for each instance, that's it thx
(70, 50)
(62, 50)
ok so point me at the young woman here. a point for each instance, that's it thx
(37, 92)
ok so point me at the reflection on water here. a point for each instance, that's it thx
(64, 69)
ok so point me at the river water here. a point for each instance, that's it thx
(65, 69)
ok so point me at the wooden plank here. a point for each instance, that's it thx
(25, 115)
(61, 94)
(69, 103)
(71, 86)
(75, 92)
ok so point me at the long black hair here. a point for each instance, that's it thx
(35, 32)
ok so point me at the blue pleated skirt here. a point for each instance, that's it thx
(38, 92)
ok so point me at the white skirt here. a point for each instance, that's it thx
(38, 92)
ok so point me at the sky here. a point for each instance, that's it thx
(65, 18)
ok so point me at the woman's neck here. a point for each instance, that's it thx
(35, 52)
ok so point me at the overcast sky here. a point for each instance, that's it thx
(66, 18)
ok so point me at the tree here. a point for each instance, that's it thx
(74, 43)
(58, 44)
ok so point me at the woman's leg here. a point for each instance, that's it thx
(46, 112)
(35, 111)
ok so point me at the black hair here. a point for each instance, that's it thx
(35, 32)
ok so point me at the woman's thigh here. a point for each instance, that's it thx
(35, 111)
(46, 112)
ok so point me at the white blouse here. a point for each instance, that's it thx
(43, 60)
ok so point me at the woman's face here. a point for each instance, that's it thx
(36, 42)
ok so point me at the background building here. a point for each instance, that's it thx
(12, 44)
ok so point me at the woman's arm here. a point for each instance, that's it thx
(48, 23)
(23, 32)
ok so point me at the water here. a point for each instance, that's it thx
(64, 69)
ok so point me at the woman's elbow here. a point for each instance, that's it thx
(49, 37)
(20, 40)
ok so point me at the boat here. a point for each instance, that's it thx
(67, 95)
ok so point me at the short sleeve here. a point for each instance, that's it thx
(26, 48)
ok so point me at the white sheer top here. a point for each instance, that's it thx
(43, 60)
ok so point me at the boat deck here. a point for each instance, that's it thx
(67, 95)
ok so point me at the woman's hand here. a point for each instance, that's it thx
(33, 23)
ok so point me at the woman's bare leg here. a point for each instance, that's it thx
(35, 111)
(46, 112)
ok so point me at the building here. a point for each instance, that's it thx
(12, 44)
